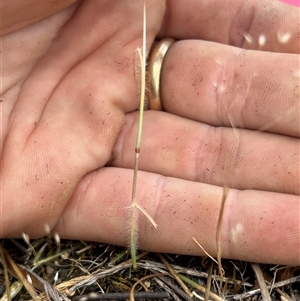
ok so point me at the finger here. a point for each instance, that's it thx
(222, 85)
(266, 25)
(241, 159)
(254, 227)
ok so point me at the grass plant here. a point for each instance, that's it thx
(83, 271)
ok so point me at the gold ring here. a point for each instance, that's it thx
(155, 62)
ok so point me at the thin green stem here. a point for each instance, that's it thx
(134, 207)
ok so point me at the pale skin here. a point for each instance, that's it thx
(68, 117)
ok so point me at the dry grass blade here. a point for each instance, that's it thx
(258, 291)
(93, 273)
(5, 274)
(190, 272)
(206, 253)
(284, 296)
(161, 281)
(200, 288)
(175, 275)
(151, 220)
(122, 296)
(92, 278)
(218, 234)
(131, 296)
(260, 278)
(208, 283)
(49, 292)
(15, 270)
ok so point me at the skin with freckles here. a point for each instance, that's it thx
(230, 88)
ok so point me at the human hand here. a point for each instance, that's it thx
(68, 81)
(51, 172)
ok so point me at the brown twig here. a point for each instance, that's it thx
(275, 285)
(208, 282)
(262, 283)
(132, 294)
(122, 296)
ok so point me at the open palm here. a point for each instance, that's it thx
(69, 80)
